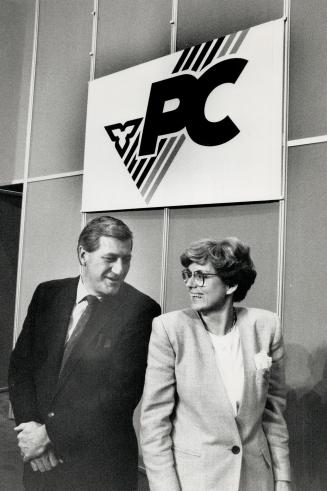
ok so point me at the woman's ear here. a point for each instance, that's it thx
(231, 289)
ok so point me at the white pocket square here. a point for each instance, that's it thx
(262, 361)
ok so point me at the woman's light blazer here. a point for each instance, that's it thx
(190, 437)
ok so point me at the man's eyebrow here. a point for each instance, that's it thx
(113, 255)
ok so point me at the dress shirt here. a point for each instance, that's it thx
(229, 360)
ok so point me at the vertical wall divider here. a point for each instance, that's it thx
(164, 260)
(165, 231)
(283, 201)
(173, 26)
(26, 170)
(92, 54)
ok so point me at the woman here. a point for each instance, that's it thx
(212, 412)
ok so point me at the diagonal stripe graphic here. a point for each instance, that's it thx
(163, 171)
(191, 57)
(240, 40)
(226, 46)
(181, 60)
(160, 160)
(213, 51)
(201, 56)
(138, 168)
(132, 164)
(132, 150)
(150, 163)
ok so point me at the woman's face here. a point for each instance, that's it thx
(212, 295)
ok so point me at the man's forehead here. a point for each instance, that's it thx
(114, 246)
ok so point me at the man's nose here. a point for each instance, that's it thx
(118, 267)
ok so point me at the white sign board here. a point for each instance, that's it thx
(200, 126)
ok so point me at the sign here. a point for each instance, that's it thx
(200, 126)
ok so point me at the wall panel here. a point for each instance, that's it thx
(52, 226)
(16, 40)
(306, 314)
(209, 19)
(131, 32)
(308, 69)
(62, 73)
(255, 224)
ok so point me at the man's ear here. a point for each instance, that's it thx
(231, 289)
(82, 253)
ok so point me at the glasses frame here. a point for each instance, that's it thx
(200, 277)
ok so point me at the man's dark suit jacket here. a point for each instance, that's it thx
(88, 410)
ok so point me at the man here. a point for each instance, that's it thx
(77, 370)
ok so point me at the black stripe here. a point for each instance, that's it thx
(202, 55)
(132, 150)
(181, 59)
(192, 56)
(132, 165)
(149, 165)
(214, 51)
(139, 167)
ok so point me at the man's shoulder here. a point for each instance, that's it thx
(134, 296)
(57, 284)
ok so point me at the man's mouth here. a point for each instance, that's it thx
(113, 280)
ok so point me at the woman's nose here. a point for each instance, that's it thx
(190, 282)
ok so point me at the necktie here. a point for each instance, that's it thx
(92, 301)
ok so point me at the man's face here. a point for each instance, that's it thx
(105, 269)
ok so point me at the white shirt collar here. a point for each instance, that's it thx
(81, 291)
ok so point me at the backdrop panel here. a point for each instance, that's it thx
(131, 32)
(52, 227)
(62, 73)
(255, 224)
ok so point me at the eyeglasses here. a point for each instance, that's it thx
(199, 277)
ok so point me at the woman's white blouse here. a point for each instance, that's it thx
(229, 359)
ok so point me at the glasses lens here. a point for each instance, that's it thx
(186, 274)
(198, 278)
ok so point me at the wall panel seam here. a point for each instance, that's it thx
(283, 203)
(308, 141)
(55, 176)
(26, 169)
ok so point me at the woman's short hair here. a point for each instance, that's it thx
(104, 226)
(231, 259)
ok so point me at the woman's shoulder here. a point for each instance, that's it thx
(256, 313)
(261, 320)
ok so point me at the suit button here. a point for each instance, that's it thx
(236, 449)
(51, 415)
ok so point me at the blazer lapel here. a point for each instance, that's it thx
(248, 345)
(217, 399)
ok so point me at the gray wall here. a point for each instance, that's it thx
(132, 32)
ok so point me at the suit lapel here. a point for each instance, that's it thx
(58, 318)
(105, 315)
